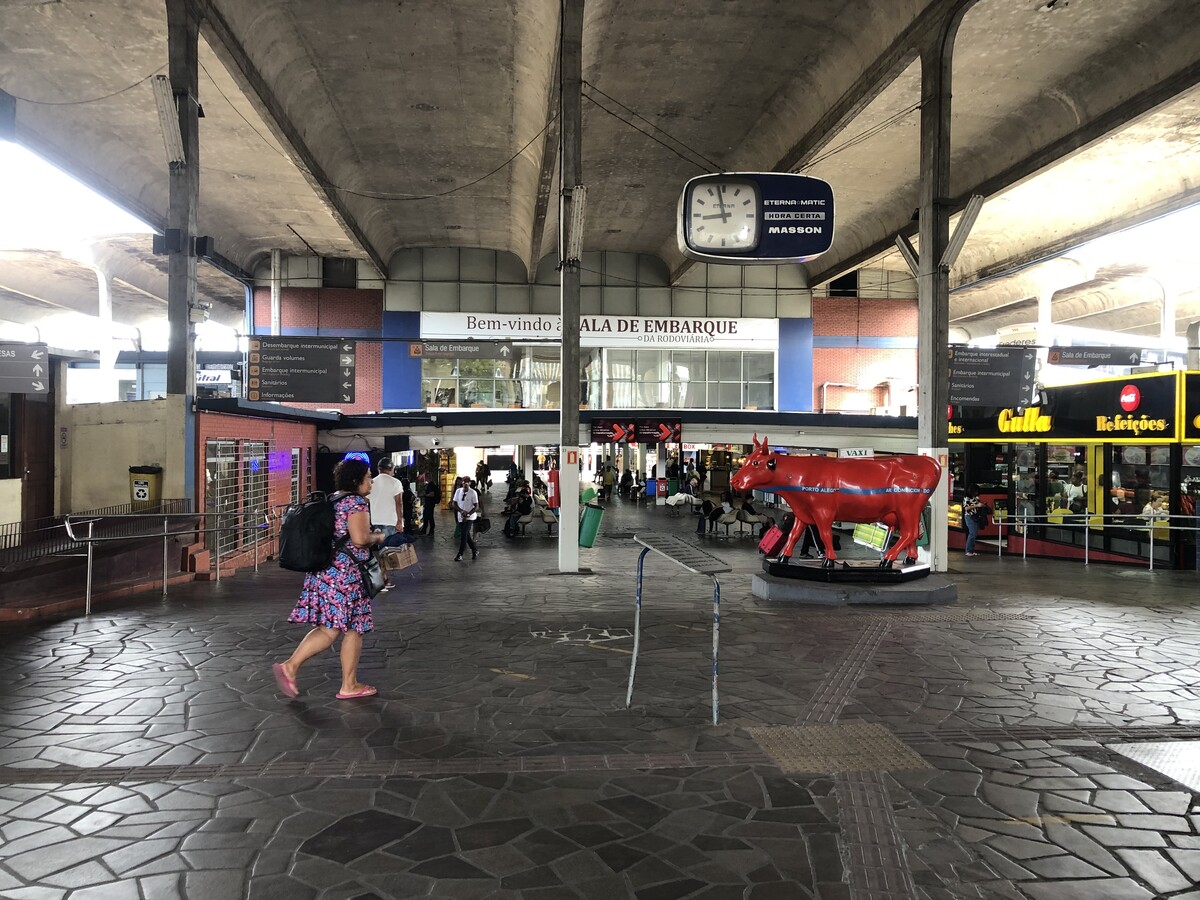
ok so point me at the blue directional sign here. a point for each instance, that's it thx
(755, 218)
(24, 369)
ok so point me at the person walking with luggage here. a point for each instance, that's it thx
(468, 511)
(334, 601)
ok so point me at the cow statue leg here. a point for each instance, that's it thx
(906, 540)
(793, 536)
(825, 529)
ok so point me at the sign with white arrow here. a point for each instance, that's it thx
(462, 349)
(1094, 356)
(301, 369)
(992, 376)
(24, 369)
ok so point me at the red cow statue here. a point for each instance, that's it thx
(892, 490)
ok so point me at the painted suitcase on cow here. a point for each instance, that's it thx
(772, 542)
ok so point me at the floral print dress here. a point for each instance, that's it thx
(334, 597)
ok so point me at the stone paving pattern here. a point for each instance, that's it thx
(145, 752)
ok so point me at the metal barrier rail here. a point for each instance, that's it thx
(1087, 521)
(91, 539)
(33, 539)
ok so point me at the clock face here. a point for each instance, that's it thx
(722, 214)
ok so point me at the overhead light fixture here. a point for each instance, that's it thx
(574, 249)
(168, 119)
(962, 231)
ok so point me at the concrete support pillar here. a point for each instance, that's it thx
(933, 278)
(108, 346)
(276, 289)
(571, 174)
(183, 29)
(527, 462)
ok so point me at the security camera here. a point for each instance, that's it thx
(437, 442)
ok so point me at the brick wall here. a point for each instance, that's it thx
(863, 342)
(281, 436)
(334, 312)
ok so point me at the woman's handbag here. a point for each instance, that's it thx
(371, 571)
(483, 526)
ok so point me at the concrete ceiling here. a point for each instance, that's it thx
(361, 129)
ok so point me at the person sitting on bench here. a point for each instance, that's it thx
(522, 507)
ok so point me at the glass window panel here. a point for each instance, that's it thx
(437, 368)
(620, 363)
(688, 365)
(440, 392)
(695, 395)
(760, 395)
(759, 366)
(476, 368)
(649, 364)
(729, 396)
(508, 393)
(620, 395)
(477, 391)
(729, 367)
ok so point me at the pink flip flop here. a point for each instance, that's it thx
(287, 686)
(367, 691)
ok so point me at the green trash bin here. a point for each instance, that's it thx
(145, 486)
(589, 523)
(672, 487)
(588, 495)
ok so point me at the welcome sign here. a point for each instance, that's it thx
(668, 332)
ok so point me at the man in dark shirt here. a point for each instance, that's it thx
(524, 507)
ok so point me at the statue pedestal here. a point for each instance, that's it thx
(855, 585)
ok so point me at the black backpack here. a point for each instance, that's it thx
(306, 533)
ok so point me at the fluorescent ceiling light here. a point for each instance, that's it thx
(168, 117)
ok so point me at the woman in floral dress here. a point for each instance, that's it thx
(333, 600)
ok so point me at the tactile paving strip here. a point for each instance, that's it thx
(835, 749)
(1178, 760)
(834, 692)
(874, 847)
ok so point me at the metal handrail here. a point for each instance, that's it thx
(91, 539)
(34, 539)
(1087, 520)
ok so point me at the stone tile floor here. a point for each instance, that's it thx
(145, 752)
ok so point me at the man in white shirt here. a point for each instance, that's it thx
(385, 499)
(467, 501)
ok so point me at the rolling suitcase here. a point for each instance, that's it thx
(772, 542)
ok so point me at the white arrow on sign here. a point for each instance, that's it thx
(504, 351)
(347, 360)
(347, 385)
(37, 369)
(346, 372)
(346, 348)
(38, 386)
(345, 398)
(37, 354)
